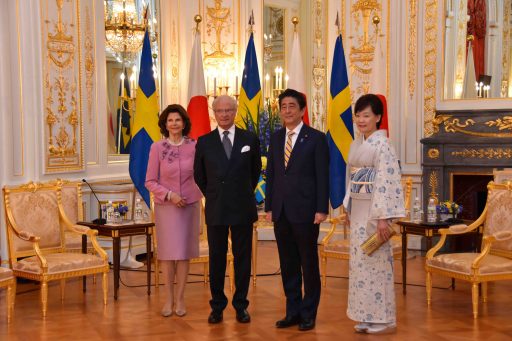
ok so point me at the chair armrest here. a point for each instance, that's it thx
(453, 230)
(458, 229)
(334, 222)
(80, 229)
(29, 237)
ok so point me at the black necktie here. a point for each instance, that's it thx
(226, 143)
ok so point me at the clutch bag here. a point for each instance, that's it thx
(373, 242)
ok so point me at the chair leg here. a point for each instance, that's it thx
(484, 292)
(62, 288)
(474, 297)
(157, 273)
(428, 286)
(205, 273)
(324, 270)
(105, 287)
(231, 276)
(11, 296)
(44, 297)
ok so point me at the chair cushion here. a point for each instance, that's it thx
(5, 273)
(343, 246)
(60, 262)
(461, 263)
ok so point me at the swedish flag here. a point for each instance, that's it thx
(250, 100)
(145, 127)
(340, 128)
(124, 135)
(260, 190)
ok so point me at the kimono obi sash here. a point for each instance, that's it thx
(362, 179)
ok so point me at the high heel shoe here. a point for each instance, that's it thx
(181, 313)
(180, 310)
(166, 310)
(166, 313)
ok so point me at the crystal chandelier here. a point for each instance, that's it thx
(124, 31)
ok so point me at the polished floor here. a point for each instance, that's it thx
(135, 316)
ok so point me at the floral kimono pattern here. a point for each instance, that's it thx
(374, 192)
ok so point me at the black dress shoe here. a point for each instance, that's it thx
(243, 316)
(306, 324)
(215, 317)
(288, 321)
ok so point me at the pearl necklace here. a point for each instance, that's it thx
(175, 143)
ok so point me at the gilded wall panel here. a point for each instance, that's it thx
(362, 39)
(319, 45)
(62, 85)
(429, 77)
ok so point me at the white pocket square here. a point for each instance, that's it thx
(245, 149)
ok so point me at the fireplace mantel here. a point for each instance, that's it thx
(465, 142)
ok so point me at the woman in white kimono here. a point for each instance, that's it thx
(374, 197)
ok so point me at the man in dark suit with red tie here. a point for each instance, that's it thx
(227, 167)
(297, 199)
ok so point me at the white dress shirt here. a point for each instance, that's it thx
(296, 130)
(231, 134)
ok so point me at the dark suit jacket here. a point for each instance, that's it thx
(228, 185)
(302, 189)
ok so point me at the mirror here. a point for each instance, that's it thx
(274, 56)
(123, 46)
(477, 49)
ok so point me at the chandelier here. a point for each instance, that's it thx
(124, 32)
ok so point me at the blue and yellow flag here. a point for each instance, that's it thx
(124, 121)
(340, 128)
(145, 126)
(250, 100)
(260, 190)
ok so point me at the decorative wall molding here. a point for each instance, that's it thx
(319, 88)
(90, 63)
(62, 85)
(430, 65)
(412, 47)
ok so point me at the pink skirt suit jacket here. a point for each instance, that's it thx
(170, 168)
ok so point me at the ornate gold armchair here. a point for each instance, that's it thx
(7, 280)
(35, 223)
(203, 250)
(336, 244)
(494, 262)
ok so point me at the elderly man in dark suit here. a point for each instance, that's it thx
(297, 198)
(227, 167)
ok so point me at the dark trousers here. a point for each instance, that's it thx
(241, 243)
(298, 257)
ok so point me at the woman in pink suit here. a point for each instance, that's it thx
(177, 208)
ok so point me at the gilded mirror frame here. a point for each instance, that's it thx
(266, 68)
(442, 7)
(112, 107)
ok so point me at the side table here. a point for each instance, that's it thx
(116, 231)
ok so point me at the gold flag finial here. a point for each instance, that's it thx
(295, 21)
(251, 21)
(337, 23)
(376, 22)
(197, 19)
